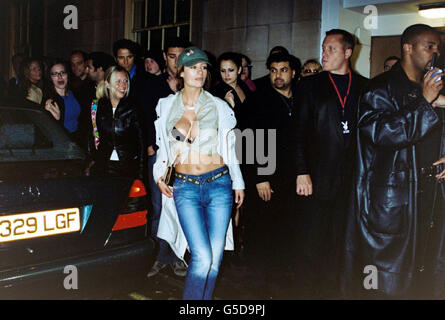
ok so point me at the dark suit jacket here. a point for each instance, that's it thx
(154, 89)
(321, 150)
(270, 112)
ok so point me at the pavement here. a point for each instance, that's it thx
(238, 280)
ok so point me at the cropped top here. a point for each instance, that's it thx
(206, 141)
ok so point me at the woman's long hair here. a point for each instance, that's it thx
(102, 90)
(24, 81)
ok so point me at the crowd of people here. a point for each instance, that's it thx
(311, 167)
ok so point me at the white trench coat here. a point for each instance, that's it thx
(169, 227)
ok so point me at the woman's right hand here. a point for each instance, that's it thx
(165, 189)
(53, 108)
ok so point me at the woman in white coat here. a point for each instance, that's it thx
(194, 131)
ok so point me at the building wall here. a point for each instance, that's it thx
(6, 49)
(335, 16)
(395, 24)
(100, 23)
(253, 27)
(352, 22)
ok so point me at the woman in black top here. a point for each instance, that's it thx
(232, 89)
(236, 93)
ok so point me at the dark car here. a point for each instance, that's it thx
(63, 234)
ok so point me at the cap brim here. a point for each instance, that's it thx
(194, 61)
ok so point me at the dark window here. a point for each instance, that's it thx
(156, 20)
(28, 135)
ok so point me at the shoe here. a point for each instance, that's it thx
(155, 269)
(179, 268)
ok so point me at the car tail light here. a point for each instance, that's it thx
(135, 212)
(137, 189)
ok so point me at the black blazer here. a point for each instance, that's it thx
(321, 150)
(269, 111)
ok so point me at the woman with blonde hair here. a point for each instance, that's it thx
(31, 80)
(118, 144)
(194, 131)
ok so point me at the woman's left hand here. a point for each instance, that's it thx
(239, 198)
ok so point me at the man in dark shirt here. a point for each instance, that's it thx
(13, 85)
(156, 88)
(83, 89)
(126, 53)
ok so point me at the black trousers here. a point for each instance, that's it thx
(270, 228)
(431, 245)
(320, 245)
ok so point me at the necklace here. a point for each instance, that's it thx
(289, 107)
(190, 108)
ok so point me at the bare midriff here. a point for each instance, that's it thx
(198, 163)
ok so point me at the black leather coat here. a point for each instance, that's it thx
(321, 149)
(122, 132)
(383, 225)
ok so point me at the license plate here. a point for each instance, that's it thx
(39, 224)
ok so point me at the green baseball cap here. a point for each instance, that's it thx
(191, 56)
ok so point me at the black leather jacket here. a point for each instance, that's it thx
(122, 132)
(383, 225)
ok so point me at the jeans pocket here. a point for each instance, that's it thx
(178, 183)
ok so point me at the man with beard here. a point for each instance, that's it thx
(272, 109)
(325, 148)
(396, 223)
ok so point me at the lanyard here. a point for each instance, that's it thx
(342, 100)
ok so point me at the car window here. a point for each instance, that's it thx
(32, 135)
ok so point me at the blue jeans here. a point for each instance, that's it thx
(204, 214)
(165, 254)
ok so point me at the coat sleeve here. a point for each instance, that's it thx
(226, 125)
(162, 158)
(303, 124)
(258, 121)
(387, 126)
